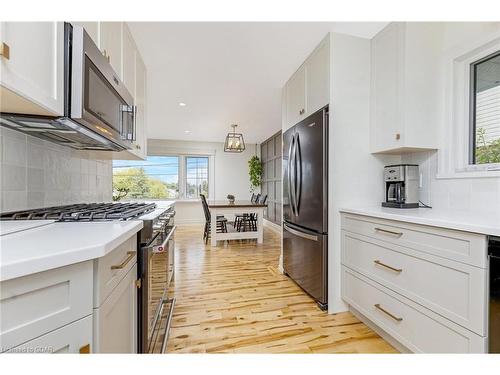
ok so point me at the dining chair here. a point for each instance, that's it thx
(221, 220)
(253, 217)
(242, 221)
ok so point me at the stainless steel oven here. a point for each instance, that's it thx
(156, 265)
(99, 111)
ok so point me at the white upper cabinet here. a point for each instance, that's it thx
(318, 77)
(308, 89)
(296, 97)
(110, 44)
(128, 65)
(140, 102)
(31, 67)
(404, 92)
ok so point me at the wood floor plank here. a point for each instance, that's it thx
(233, 299)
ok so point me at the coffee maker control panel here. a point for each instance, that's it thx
(394, 173)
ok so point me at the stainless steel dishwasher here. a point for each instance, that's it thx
(494, 309)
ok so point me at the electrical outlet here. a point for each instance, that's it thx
(421, 180)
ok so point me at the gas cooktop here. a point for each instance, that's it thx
(83, 212)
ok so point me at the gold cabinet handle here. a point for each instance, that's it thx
(397, 319)
(378, 262)
(85, 349)
(398, 136)
(398, 234)
(5, 51)
(131, 255)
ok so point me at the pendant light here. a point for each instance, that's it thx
(234, 141)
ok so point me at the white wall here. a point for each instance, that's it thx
(355, 175)
(228, 172)
(37, 173)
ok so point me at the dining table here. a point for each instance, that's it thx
(227, 208)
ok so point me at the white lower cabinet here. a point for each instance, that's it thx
(115, 320)
(34, 305)
(72, 338)
(411, 281)
(84, 307)
(418, 329)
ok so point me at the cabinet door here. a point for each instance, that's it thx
(318, 77)
(111, 44)
(32, 71)
(140, 102)
(386, 122)
(128, 67)
(296, 97)
(72, 338)
(115, 321)
(92, 28)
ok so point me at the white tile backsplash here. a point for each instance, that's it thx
(36, 173)
(477, 194)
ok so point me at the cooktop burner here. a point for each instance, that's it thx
(83, 212)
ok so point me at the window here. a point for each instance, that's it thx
(161, 177)
(485, 110)
(157, 177)
(196, 176)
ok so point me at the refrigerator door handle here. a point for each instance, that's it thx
(293, 176)
(300, 234)
(298, 162)
(289, 175)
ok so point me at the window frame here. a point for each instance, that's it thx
(185, 178)
(182, 174)
(453, 155)
(472, 108)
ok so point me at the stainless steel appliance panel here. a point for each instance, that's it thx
(494, 288)
(305, 260)
(305, 174)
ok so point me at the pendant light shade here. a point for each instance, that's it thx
(234, 141)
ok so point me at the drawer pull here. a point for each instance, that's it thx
(131, 255)
(398, 270)
(377, 305)
(398, 234)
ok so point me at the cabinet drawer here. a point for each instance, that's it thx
(110, 269)
(34, 305)
(115, 321)
(72, 338)
(455, 290)
(415, 327)
(469, 248)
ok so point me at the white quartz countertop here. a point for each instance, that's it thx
(464, 220)
(60, 244)
(8, 227)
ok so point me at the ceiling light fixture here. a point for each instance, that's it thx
(234, 141)
(182, 104)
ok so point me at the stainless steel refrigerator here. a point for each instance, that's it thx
(305, 205)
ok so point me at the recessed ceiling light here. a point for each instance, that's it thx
(182, 104)
(187, 131)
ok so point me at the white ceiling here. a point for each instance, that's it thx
(226, 73)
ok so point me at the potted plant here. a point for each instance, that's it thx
(254, 172)
(230, 197)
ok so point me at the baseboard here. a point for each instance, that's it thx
(273, 226)
(379, 331)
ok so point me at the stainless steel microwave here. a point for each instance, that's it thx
(98, 109)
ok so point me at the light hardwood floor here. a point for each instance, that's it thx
(232, 299)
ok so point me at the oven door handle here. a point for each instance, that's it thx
(165, 241)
